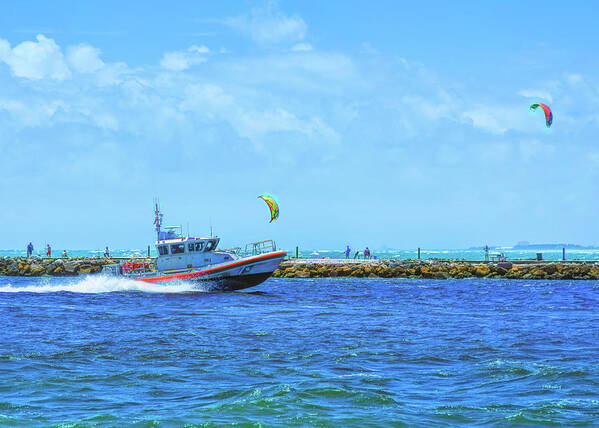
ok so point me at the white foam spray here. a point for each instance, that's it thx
(95, 284)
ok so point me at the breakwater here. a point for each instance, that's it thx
(38, 266)
(437, 269)
(330, 268)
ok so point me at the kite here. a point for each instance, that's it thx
(546, 110)
(272, 205)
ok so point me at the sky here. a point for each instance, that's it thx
(388, 124)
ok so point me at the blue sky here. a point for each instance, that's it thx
(374, 123)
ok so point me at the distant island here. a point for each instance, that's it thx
(525, 245)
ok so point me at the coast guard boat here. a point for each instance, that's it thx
(190, 259)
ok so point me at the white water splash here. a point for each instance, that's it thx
(95, 284)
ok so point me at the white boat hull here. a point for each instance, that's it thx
(234, 275)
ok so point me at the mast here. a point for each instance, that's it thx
(157, 218)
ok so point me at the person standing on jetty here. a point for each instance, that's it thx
(106, 252)
(29, 249)
(48, 251)
(64, 253)
(367, 253)
(347, 251)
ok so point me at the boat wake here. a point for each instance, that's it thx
(102, 284)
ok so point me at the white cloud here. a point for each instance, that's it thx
(212, 97)
(213, 102)
(500, 119)
(534, 93)
(84, 58)
(31, 114)
(269, 26)
(486, 120)
(254, 124)
(302, 47)
(182, 60)
(112, 73)
(35, 60)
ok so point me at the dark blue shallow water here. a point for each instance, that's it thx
(338, 352)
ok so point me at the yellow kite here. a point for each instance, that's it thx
(272, 205)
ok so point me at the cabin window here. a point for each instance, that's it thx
(177, 248)
(210, 245)
(190, 246)
(162, 250)
(199, 246)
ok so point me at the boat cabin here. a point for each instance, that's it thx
(178, 253)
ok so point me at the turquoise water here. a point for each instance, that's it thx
(511, 254)
(586, 254)
(56, 252)
(299, 352)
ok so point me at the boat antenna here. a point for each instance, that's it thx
(157, 218)
(211, 227)
(188, 229)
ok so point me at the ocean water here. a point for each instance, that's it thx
(299, 352)
(589, 254)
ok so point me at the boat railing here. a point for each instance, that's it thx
(236, 250)
(260, 247)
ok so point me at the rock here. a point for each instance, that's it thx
(303, 274)
(537, 273)
(36, 269)
(482, 270)
(358, 273)
(13, 269)
(85, 269)
(71, 268)
(500, 271)
(594, 272)
(398, 272)
(440, 275)
(425, 272)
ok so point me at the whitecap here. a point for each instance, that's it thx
(96, 284)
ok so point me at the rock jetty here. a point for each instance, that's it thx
(38, 266)
(435, 269)
(327, 268)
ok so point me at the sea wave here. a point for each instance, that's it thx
(96, 284)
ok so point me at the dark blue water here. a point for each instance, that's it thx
(338, 352)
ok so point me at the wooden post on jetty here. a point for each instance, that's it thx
(148, 251)
(564, 254)
(418, 253)
(297, 252)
